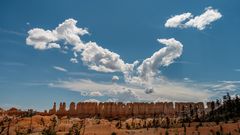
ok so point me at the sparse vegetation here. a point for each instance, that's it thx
(114, 133)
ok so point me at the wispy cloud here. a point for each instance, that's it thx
(89, 74)
(128, 92)
(186, 62)
(13, 32)
(60, 68)
(188, 80)
(237, 70)
(95, 93)
(12, 64)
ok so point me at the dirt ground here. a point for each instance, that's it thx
(36, 124)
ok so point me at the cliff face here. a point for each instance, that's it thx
(120, 110)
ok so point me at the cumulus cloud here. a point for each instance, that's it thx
(177, 20)
(39, 38)
(60, 68)
(74, 60)
(162, 58)
(95, 93)
(46, 39)
(149, 90)
(115, 78)
(53, 45)
(200, 22)
(92, 55)
(102, 60)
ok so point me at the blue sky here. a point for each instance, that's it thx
(206, 67)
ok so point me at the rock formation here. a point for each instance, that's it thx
(116, 110)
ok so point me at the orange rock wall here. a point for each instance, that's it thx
(121, 110)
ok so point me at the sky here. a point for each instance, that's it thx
(117, 51)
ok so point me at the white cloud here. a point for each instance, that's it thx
(92, 100)
(67, 31)
(226, 86)
(188, 80)
(149, 90)
(39, 38)
(60, 68)
(102, 60)
(92, 55)
(12, 32)
(200, 22)
(162, 99)
(95, 93)
(116, 91)
(127, 92)
(53, 45)
(74, 60)
(165, 56)
(115, 78)
(177, 20)
(75, 54)
(232, 82)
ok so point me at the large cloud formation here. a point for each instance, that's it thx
(46, 39)
(200, 22)
(103, 60)
(93, 55)
(98, 58)
(163, 57)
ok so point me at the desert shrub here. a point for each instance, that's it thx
(212, 132)
(48, 131)
(144, 124)
(42, 122)
(238, 129)
(185, 130)
(166, 132)
(118, 125)
(29, 131)
(74, 130)
(218, 133)
(98, 121)
(128, 126)
(114, 133)
(176, 131)
(221, 129)
(196, 127)
(19, 133)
